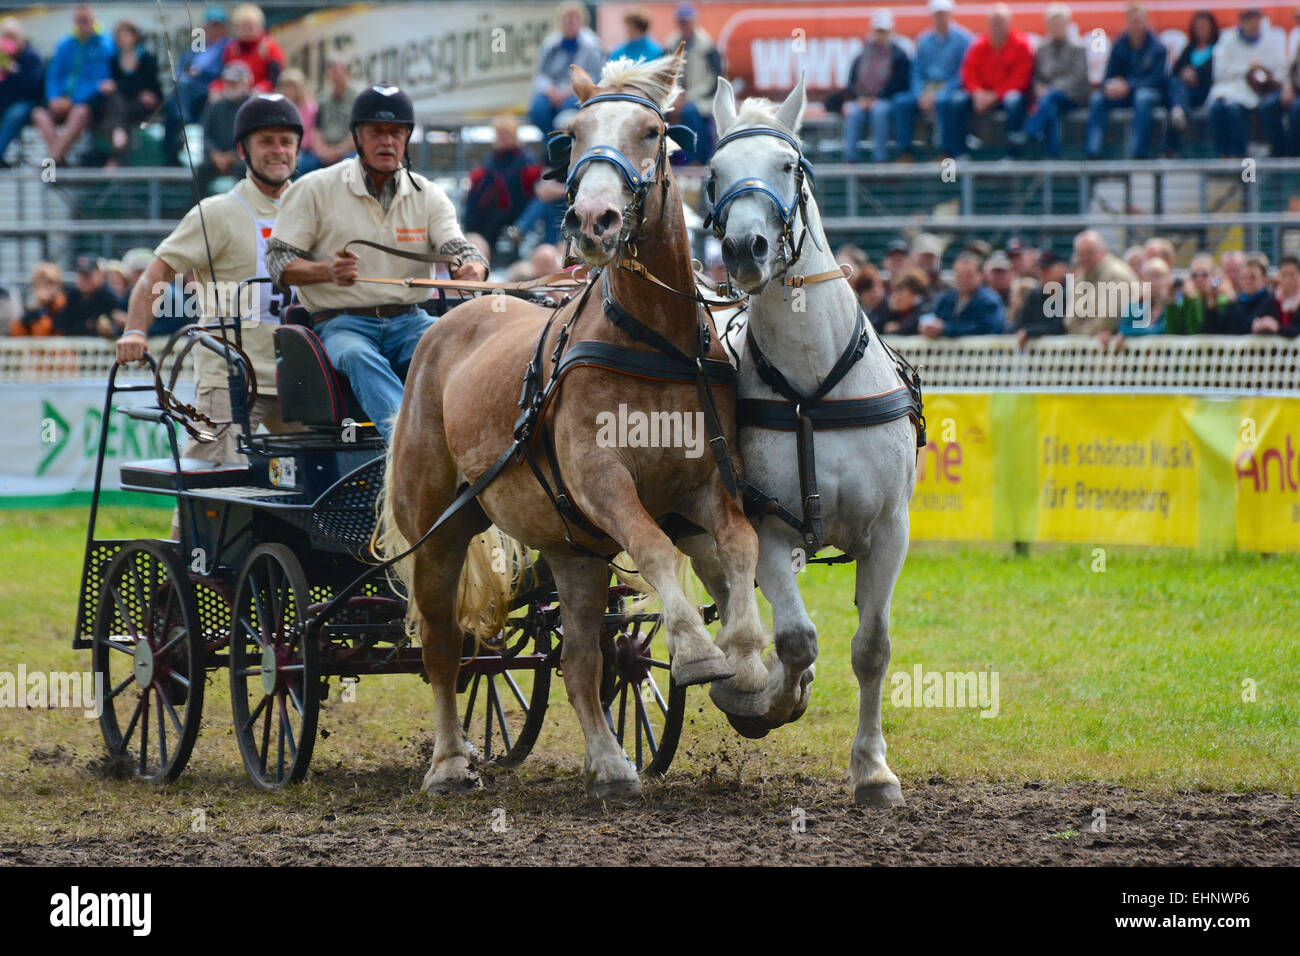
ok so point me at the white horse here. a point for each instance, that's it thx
(803, 317)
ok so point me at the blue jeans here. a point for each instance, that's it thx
(1143, 104)
(953, 110)
(1293, 129)
(542, 114)
(374, 354)
(1188, 97)
(1228, 125)
(1045, 123)
(899, 108)
(12, 123)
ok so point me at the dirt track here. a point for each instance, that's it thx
(376, 819)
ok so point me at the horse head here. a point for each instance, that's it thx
(620, 178)
(759, 185)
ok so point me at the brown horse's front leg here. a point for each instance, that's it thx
(609, 497)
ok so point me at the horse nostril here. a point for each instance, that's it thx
(758, 246)
(607, 222)
(570, 224)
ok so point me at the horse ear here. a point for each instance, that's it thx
(791, 112)
(583, 85)
(724, 105)
(670, 71)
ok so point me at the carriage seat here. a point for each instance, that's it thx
(160, 473)
(311, 390)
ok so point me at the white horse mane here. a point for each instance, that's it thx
(759, 111)
(648, 77)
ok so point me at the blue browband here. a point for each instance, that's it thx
(559, 145)
(748, 185)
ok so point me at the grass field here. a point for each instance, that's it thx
(1134, 676)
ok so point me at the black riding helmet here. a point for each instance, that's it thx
(264, 111)
(384, 104)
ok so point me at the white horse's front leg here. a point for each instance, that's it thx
(870, 778)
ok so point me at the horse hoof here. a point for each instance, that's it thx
(611, 789)
(704, 671)
(452, 785)
(736, 703)
(881, 796)
(755, 728)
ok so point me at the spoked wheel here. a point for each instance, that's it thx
(643, 705)
(149, 655)
(504, 705)
(274, 672)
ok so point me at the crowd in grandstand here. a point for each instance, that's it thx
(109, 84)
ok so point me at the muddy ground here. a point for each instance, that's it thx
(341, 817)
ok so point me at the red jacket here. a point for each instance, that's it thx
(263, 56)
(1004, 70)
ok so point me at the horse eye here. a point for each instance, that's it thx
(789, 168)
(651, 134)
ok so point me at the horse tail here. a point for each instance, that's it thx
(494, 569)
(387, 541)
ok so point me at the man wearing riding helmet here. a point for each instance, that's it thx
(369, 330)
(231, 228)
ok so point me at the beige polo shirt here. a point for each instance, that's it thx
(329, 207)
(233, 233)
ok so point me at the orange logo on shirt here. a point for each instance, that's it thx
(266, 232)
(411, 235)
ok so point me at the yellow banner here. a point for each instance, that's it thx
(953, 500)
(1267, 475)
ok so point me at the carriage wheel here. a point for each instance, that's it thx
(274, 672)
(504, 711)
(148, 652)
(643, 704)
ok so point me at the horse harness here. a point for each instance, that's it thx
(795, 411)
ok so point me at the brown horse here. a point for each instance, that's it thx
(459, 412)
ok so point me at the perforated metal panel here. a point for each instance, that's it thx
(346, 513)
(92, 583)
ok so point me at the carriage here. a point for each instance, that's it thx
(271, 580)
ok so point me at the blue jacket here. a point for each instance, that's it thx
(642, 49)
(26, 84)
(984, 314)
(1145, 67)
(938, 60)
(204, 65)
(76, 69)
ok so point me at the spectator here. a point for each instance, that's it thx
(855, 257)
(1287, 294)
(1146, 312)
(1042, 311)
(547, 207)
(1098, 293)
(1247, 66)
(1254, 309)
(1290, 103)
(969, 308)
(896, 258)
(1230, 267)
(134, 262)
(1060, 82)
(1024, 258)
(995, 75)
(1192, 75)
(879, 92)
(869, 288)
(293, 86)
(927, 253)
(552, 87)
(998, 274)
(1198, 301)
(640, 45)
(699, 79)
(1137, 78)
(22, 83)
(936, 71)
(219, 125)
(92, 308)
(136, 92)
(253, 47)
(1133, 257)
(46, 307)
(1158, 247)
(1021, 288)
(902, 312)
(115, 281)
(500, 188)
(333, 136)
(196, 72)
(77, 81)
(981, 247)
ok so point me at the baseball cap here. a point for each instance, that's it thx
(998, 260)
(897, 245)
(214, 14)
(882, 20)
(925, 243)
(686, 11)
(137, 258)
(87, 264)
(941, 6)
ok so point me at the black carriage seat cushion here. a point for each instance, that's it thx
(197, 473)
(311, 390)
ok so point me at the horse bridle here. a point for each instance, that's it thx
(559, 145)
(791, 248)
